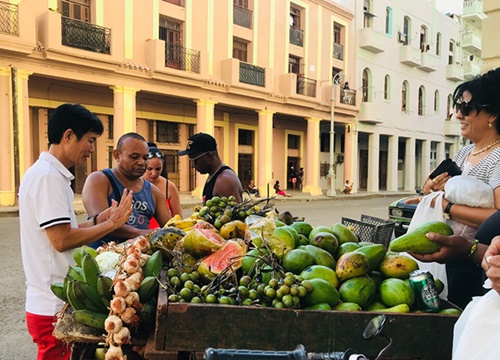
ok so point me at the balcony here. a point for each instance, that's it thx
(473, 10)
(429, 62)
(471, 41)
(348, 97)
(242, 16)
(338, 51)
(471, 69)
(451, 128)
(371, 40)
(181, 58)
(296, 36)
(176, 2)
(370, 113)
(455, 72)
(252, 74)
(85, 36)
(410, 56)
(306, 86)
(9, 19)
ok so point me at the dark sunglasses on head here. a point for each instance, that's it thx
(157, 154)
(466, 107)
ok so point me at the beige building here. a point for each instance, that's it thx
(257, 74)
(472, 22)
(408, 63)
(491, 28)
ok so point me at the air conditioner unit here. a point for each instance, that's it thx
(401, 37)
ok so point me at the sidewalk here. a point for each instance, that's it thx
(188, 201)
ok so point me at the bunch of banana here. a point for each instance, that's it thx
(180, 223)
(166, 237)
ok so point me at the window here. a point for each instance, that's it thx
(242, 3)
(388, 21)
(336, 33)
(387, 87)
(338, 41)
(424, 44)
(111, 126)
(170, 31)
(294, 65)
(75, 9)
(366, 86)
(240, 49)
(406, 30)
(293, 141)
(404, 97)
(245, 137)
(449, 107)
(167, 132)
(436, 101)
(438, 44)
(368, 15)
(451, 52)
(421, 101)
(295, 17)
(324, 143)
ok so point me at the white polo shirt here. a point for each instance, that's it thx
(45, 199)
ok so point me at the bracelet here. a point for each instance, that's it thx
(473, 249)
(94, 219)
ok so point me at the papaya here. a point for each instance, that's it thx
(416, 241)
(351, 265)
(233, 229)
(397, 266)
(230, 254)
(344, 234)
(321, 256)
(359, 290)
(375, 254)
(200, 242)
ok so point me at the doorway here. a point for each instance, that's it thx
(245, 169)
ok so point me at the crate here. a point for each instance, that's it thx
(371, 229)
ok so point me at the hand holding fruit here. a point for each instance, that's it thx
(452, 247)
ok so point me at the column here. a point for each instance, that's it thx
(205, 122)
(392, 163)
(409, 174)
(351, 161)
(440, 152)
(7, 158)
(373, 162)
(311, 168)
(426, 162)
(265, 152)
(124, 111)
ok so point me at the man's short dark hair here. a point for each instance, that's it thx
(74, 117)
(131, 135)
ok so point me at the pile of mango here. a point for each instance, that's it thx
(274, 261)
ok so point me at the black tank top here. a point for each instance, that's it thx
(209, 185)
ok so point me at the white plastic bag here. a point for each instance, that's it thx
(476, 334)
(470, 191)
(423, 214)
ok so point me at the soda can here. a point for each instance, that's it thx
(426, 295)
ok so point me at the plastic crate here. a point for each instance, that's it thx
(378, 231)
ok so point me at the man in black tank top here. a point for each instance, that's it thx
(222, 180)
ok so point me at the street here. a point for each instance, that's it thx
(15, 342)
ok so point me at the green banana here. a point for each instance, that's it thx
(88, 296)
(90, 270)
(104, 287)
(77, 255)
(153, 265)
(90, 318)
(58, 290)
(89, 250)
(75, 273)
(147, 289)
(72, 299)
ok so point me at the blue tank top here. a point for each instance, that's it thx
(143, 207)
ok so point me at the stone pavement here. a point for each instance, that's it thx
(188, 201)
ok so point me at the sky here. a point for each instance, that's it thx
(450, 6)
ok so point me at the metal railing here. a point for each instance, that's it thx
(181, 58)
(338, 51)
(306, 86)
(348, 97)
(242, 16)
(176, 2)
(9, 18)
(251, 74)
(85, 36)
(296, 36)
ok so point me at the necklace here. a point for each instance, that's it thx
(485, 148)
(215, 172)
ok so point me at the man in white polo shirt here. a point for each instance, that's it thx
(49, 229)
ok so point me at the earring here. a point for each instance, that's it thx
(489, 125)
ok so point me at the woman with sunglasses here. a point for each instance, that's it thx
(477, 108)
(153, 173)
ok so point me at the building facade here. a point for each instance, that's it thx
(472, 20)
(491, 26)
(257, 74)
(408, 64)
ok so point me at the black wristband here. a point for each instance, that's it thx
(94, 219)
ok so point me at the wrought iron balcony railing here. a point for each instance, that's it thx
(338, 51)
(306, 86)
(86, 36)
(9, 18)
(181, 58)
(176, 2)
(251, 74)
(348, 97)
(242, 16)
(296, 36)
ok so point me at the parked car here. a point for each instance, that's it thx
(401, 214)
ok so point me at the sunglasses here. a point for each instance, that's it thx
(193, 160)
(157, 154)
(466, 107)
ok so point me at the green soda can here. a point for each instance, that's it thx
(426, 295)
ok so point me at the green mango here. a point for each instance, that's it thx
(450, 311)
(347, 306)
(396, 291)
(345, 248)
(317, 230)
(321, 256)
(344, 234)
(325, 240)
(400, 308)
(375, 306)
(320, 306)
(294, 232)
(439, 285)
(375, 254)
(302, 227)
(416, 241)
(360, 290)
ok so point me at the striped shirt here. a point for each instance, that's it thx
(487, 170)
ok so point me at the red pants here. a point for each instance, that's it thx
(49, 348)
